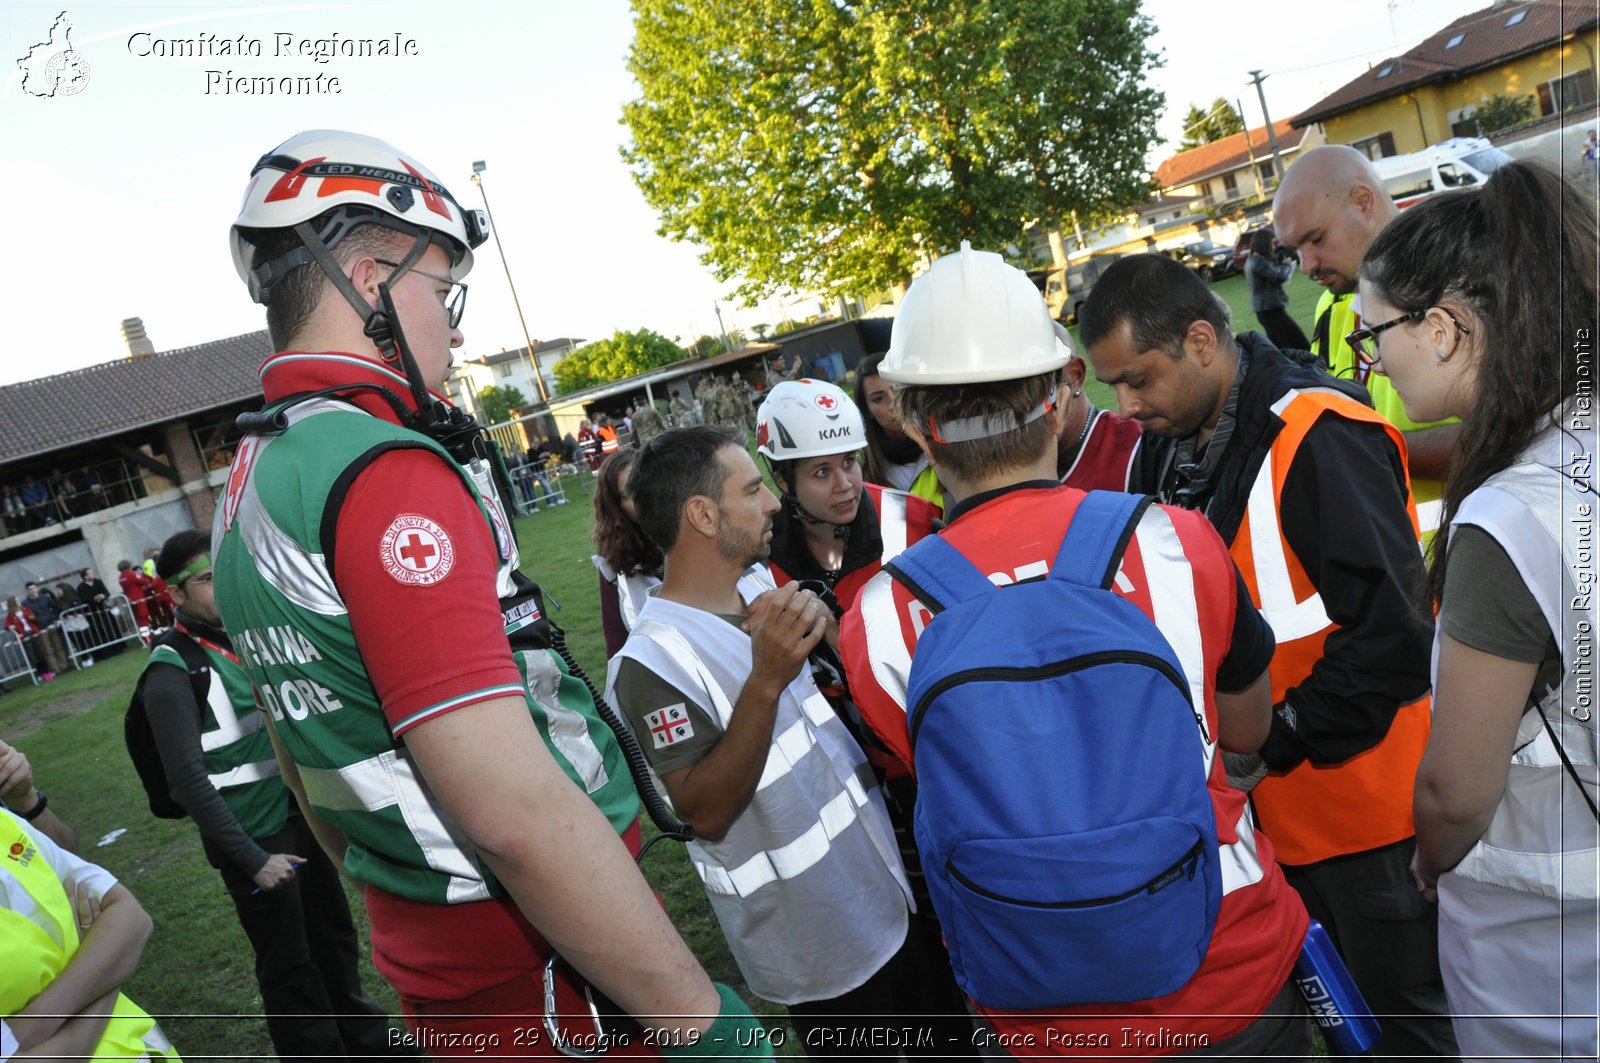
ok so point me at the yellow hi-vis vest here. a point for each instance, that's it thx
(38, 949)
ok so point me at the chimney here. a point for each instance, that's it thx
(133, 335)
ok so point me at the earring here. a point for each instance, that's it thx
(1076, 392)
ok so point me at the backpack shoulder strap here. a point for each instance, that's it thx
(1095, 540)
(938, 575)
(194, 659)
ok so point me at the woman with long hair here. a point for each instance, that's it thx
(628, 562)
(1481, 304)
(891, 458)
(1268, 301)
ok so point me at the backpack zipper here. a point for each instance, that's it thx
(1047, 671)
(1167, 877)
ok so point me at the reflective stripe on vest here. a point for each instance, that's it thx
(1176, 613)
(1316, 812)
(789, 747)
(391, 780)
(1543, 839)
(37, 950)
(891, 520)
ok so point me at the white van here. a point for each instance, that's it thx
(1454, 163)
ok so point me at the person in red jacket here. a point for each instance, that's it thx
(833, 528)
(1096, 449)
(20, 619)
(979, 377)
(136, 588)
(835, 531)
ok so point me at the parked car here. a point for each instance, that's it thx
(1211, 261)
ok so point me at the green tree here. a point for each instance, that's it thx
(1221, 119)
(1495, 113)
(707, 347)
(832, 145)
(623, 355)
(498, 402)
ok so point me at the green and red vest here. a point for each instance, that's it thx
(271, 546)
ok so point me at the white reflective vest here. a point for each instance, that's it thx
(807, 884)
(1543, 512)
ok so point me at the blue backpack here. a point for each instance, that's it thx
(1062, 815)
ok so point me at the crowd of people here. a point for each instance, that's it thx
(1005, 726)
(55, 498)
(67, 625)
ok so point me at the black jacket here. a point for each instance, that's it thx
(1343, 514)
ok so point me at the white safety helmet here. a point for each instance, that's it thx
(354, 179)
(807, 419)
(972, 319)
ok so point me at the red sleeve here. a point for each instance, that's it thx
(416, 564)
(879, 709)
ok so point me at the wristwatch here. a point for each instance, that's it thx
(37, 810)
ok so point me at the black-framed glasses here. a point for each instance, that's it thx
(455, 297)
(1364, 341)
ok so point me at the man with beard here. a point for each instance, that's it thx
(1308, 487)
(793, 842)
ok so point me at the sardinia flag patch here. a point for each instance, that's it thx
(669, 725)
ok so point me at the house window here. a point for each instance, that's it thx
(504, 370)
(1453, 41)
(1266, 172)
(1378, 147)
(1386, 71)
(1230, 184)
(1516, 18)
(1566, 94)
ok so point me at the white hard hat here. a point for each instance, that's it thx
(971, 319)
(359, 179)
(808, 419)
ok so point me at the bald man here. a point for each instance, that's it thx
(1329, 208)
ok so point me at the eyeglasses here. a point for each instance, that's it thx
(455, 296)
(1364, 341)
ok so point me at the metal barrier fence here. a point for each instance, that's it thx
(15, 661)
(89, 629)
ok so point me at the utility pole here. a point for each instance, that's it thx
(1272, 138)
(1250, 149)
(533, 359)
(726, 346)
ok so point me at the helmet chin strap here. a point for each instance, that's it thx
(381, 324)
(840, 531)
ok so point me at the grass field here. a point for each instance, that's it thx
(196, 972)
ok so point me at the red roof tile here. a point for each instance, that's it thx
(1486, 40)
(37, 416)
(1229, 153)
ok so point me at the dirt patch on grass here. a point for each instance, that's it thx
(26, 721)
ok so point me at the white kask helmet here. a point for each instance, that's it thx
(359, 179)
(807, 419)
(972, 319)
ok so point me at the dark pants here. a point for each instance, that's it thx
(1282, 331)
(1389, 938)
(911, 1005)
(306, 952)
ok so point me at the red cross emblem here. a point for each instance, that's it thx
(416, 551)
(669, 725)
(826, 403)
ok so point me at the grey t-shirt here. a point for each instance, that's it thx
(655, 709)
(1488, 607)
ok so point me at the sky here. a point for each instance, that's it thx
(121, 193)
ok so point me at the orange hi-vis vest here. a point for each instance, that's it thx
(608, 439)
(1315, 812)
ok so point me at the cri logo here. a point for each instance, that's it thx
(826, 403)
